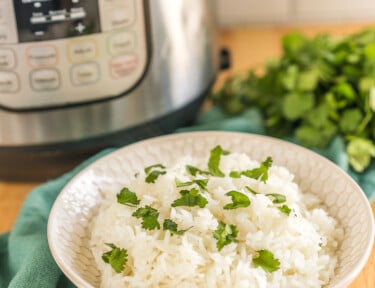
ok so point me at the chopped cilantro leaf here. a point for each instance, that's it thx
(151, 178)
(235, 174)
(239, 200)
(225, 234)
(127, 197)
(149, 217)
(117, 257)
(266, 261)
(277, 198)
(202, 183)
(180, 184)
(214, 161)
(152, 167)
(190, 198)
(256, 173)
(252, 191)
(262, 171)
(194, 171)
(153, 172)
(285, 209)
(172, 227)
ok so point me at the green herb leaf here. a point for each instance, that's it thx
(350, 120)
(266, 260)
(214, 161)
(360, 151)
(117, 257)
(252, 191)
(194, 171)
(344, 95)
(285, 209)
(152, 167)
(289, 79)
(316, 136)
(295, 105)
(262, 171)
(149, 217)
(319, 116)
(151, 178)
(225, 234)
(236, 174)
(293, 43)
(239, 200)
(369, 51)
(257, 173)
(277, 198)
(308, 80)
(170, 225)
(152, 175)
(190, 198)
(202, 183)
(127, 197)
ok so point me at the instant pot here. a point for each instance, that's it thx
(77, 76)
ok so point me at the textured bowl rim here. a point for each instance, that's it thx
(77, 280)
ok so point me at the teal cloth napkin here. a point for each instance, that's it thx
(25, 258)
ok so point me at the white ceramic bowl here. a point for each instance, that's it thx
(79, 200)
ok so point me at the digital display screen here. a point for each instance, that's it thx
(40, 20)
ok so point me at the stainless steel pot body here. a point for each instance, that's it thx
(40, 140)
(181, 65)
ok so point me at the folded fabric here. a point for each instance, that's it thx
(25, 258)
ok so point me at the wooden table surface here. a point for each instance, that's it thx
(250, 47)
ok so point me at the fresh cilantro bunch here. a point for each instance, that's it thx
(320, 88)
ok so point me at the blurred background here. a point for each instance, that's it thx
(243, 12)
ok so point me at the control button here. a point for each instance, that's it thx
(45, 79)
(77, 13)
(38, 19)
(7, 58)
(123, 65)
(39, 33)
(121, 42)
(84, 74)
(122, 16)
(58, 17)
(117, 15)
(41, 56)
(82, 51)
(9, 82)
(80, 28)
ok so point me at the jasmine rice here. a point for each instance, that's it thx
(223, 220)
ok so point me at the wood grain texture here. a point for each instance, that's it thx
(250, 47)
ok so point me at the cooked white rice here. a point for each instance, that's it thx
(305, 242)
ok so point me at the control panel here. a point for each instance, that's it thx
(62, 52)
